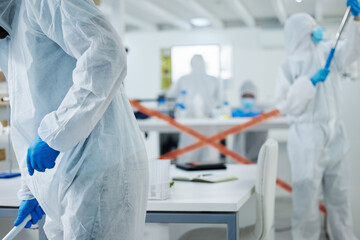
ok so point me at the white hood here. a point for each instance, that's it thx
(248, 87)
(297, 32)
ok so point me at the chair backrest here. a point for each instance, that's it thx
(265, 188)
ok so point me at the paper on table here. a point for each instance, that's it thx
(208, 178)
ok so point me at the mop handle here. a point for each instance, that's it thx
(15, 231)
(338, 35)
(330, 58)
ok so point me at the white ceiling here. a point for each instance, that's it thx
(162, 15)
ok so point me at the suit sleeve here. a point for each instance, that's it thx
(80, 29)
(293, 98)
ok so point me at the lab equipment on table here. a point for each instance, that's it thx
(226, 110)
(198, 107)
(16, 230)
(162, 105)
(165, 105)
(159, 179)
(180, 108)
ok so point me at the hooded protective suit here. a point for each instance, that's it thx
(317, 143)
(248, 144)
(199, 87)
(65, 66)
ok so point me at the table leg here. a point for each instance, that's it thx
(230, 219)
(233, 228)
(42, 235)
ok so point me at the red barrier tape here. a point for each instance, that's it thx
(213, 140)
(222, 135)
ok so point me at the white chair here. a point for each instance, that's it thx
(265, 201)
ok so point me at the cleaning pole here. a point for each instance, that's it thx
(338, 35)
(16, 230)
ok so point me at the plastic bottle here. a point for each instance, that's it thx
(198, 107)
(180, 108)
(162, 105)
(226, 110)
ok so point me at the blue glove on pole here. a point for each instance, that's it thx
(355, 7)
(40, 156)
(29, 207)
(320, 76)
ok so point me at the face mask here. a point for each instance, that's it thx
(248, 103)
(317, 35)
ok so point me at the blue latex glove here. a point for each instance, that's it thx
(241, 113)
(355, 7)
(320, 76)
(40, 156)
(29, 207)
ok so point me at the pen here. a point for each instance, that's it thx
(204, 175)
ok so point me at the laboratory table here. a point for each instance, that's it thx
(195, 202)
(190, 202)
(153, 124)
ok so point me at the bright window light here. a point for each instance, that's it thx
(200, 22)
(298, 1)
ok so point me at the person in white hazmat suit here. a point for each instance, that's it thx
(248, 144)
(79, 149)
(317, 142)
(202, 96)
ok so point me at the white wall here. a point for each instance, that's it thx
(351, 113)
(257, 55)
(250, 60)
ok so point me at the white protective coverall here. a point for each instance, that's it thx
(317, 143)
(65, 66)
(197, 85)
(248, 144)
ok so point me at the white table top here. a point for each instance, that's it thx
(208, 197)
(153, 124)
(185, 196)
(8, 192)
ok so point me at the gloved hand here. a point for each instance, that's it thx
(29, 207)
(320, 76)
(355, 7)
(40, 156)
